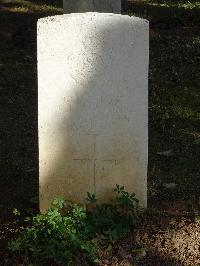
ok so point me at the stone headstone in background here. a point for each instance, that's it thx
(79, 6)
(93, 106)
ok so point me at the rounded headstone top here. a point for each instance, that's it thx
(103, 18)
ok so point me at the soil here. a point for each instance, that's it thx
(165, 240)
(160, 239)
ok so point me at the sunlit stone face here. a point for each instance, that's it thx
(92, 105)
(78, 6)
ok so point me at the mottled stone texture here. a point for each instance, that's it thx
(79, 6)
(93, 106)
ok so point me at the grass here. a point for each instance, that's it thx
(176, 4)
(24, 6)
(174, 97)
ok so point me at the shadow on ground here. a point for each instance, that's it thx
(164, 14)
(173, 97)
(18, 100)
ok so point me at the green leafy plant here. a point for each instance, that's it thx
(113, 221)
(91, 198)
(54, 236)
(16, 212)
(66, 229)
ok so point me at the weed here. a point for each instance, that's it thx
(68, 229)
(55, 236)
(111, 222)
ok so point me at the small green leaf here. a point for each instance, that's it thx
(27, 219)
(16, 212)
(58, 202)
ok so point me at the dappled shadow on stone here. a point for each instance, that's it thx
(89, 139)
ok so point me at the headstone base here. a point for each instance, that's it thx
(104, 6)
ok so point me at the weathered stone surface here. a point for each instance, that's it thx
(79, 6)
(93, 106)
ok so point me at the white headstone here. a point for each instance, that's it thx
(93, 106)
(79, 6)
